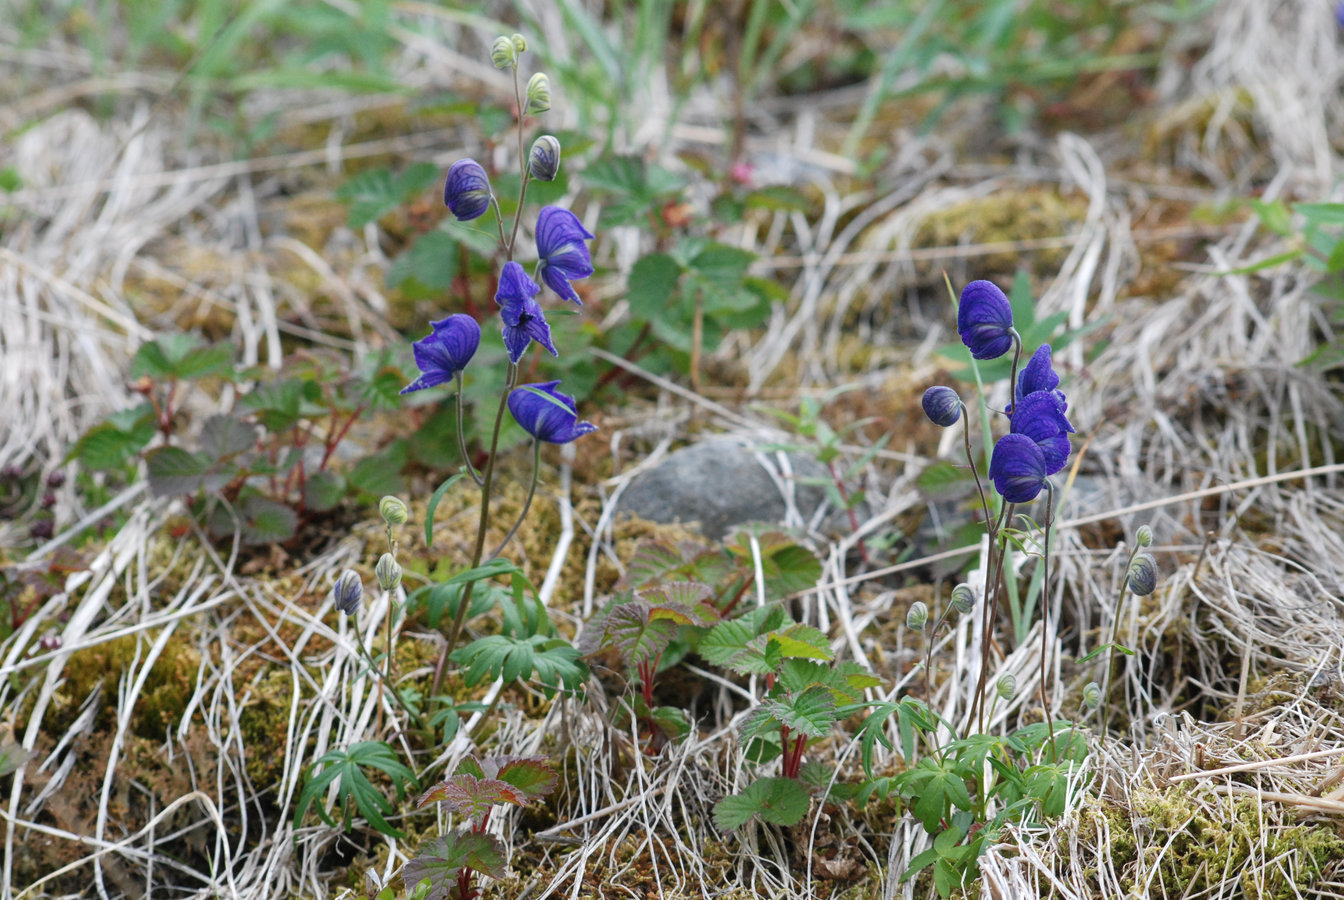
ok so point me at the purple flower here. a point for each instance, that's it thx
(1040, 416)
(1037, 374)
(523, 319)
(445, 351)
(562, 251)
(348, 592)
(942, 405)
(1017, 468)
(985, 320)
(547, 414)
(467, 190)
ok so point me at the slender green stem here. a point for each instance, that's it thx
(531, 492)
(1115, 636)
(994, 571)
(462, 436)
(482, 525)
(970, 460)
(1045, 617)
(522, 164)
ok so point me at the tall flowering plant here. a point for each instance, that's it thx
(444, 354)
(1035, 447)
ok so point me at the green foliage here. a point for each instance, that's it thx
(442, 861)
(779, 801)
(374, 193)
(1313, 234)
(345, 768)
(246, 470)
(551, 661)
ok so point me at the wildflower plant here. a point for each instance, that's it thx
(527, 647)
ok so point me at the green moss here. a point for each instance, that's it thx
(1183, 845)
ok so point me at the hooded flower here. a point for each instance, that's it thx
(547, 414)
(348, 592)
(1040, 416)
(1017, 468)
(467, 190)
(521, 313)
(985, 320)
(563, 254)
(445, 351)
(942, 405)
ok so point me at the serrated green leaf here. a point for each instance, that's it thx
(942, 478)
(173, 471)
(530, 774)
(638, 639)
(277, 405)
(722, 264)
(116, 440)
(811, 713)
(266, 521)
(222, 436)
(441, 859)
(653, 279)
(371, 194)
(779, 801)
(471, 796)
(375, 477)
(799, 641)
(431, 262)
(323, 490)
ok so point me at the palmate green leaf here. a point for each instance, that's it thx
(553, 660)
(779, 801)
(471, 796)
(655, 561)
(181, 356)
(374, 193)
(116, 440)
(441, 859)
(345, 768)
(530, 774)
(638, 638)
(431, 263)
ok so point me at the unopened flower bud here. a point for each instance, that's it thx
(538, 94)
(348, 593)
(544, 161)
(963, 599)
(916, 616)
(1092, 694)
(55, 478)
(519, 43)
(1006, 687)
(392, 510)
(1144, 536)
(388, 572)
(503, 53)
(1143, 575)
(942, 405)
(50, 641)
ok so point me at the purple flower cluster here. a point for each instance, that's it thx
(1037, 444)
(562, 258)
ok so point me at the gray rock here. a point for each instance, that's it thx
(723, 483)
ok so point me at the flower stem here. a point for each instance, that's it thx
(482, 526)
(1045, 616)
(462, 435)
(531, 492)
(1110, 655)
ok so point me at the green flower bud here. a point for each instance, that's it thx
(1143, 575)
(388, 572)
(519, 43)
(1144, 536)
(1092, 694)
(917, 616)
(538, 94)
(544, 161)
(963, 599)
(503, 53)
(392, 510)
(1006, 687)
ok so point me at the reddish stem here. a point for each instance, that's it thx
(338, 436)
(737, 598)
(844, 497)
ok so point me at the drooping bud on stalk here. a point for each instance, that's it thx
(942, 405)
(519, 43)
(1092, 694)
(544, 161)
(1006, 687)
(963, 599)
(348, 592)
(388, 572)
(917, 616)
(503, 53)
(393, 510)
(538, 94)
(1143, 575)
(1144, 536)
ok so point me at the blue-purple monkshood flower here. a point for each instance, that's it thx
(1040, 417)
(445, 351)
(1038, 374)
(985, 320)
(942, 405)
(1017, 468)
(467, 190)
(547, 414)
(348, 592)
(563, 255)
(521, 313)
